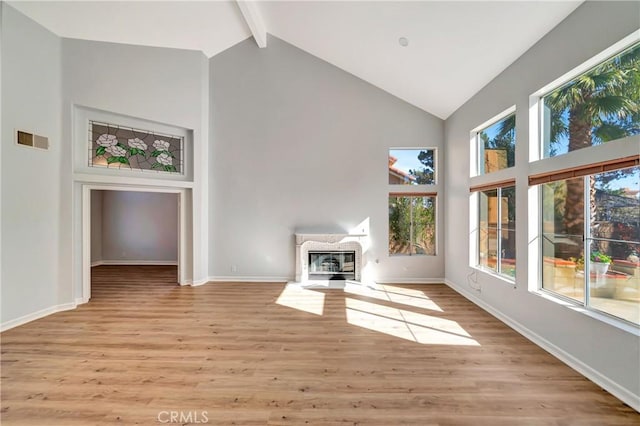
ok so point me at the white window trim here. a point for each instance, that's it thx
(535, 100)
(474, 249)
(474, 146)
(420, 187)
(538, 164)
(433, 195)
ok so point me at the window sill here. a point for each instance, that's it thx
(607, 319)
(411, 255)
(505, 278)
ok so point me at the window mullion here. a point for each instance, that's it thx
(411, 236)
(499, 233)
(586, 244)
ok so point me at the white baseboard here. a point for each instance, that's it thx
(135, 262)
(195, 283)
(282, 280)
(411, 281)
(251, 279)
(595, 376)
(36, 315)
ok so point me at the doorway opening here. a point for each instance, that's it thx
(131, 233)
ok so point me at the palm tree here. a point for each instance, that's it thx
(596, 107)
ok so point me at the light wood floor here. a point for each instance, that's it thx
(265, 354)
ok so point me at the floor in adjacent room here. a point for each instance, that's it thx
(145, 349)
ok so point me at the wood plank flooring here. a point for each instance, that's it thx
(268, 354)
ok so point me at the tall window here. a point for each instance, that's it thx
(590, 213)
(493, 146)
(412, 224)
(497, 145)
(412, 215)
(497, 230)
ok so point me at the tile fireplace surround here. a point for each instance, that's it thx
(306, 242)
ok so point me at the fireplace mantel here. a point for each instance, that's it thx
(325, 241)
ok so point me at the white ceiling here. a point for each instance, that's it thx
(455, 47)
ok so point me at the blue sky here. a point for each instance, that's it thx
(407, 158)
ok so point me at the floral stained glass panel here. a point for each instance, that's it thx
(120, 147)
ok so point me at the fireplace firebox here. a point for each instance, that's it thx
(332, 265)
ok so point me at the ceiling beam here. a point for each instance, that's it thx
(254, 20)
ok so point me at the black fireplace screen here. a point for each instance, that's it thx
(332, 265)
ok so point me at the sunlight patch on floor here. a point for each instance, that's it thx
(398, 295)
(413, 326)
(296, 297)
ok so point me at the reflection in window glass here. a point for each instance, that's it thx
(497, 146)
(596, 107)
(562, 236)
(610, 270)
(412, 166)
(412, 227)
(497, 226)
(488, 242)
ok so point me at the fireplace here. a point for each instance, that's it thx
(328, 259)
(332, 265)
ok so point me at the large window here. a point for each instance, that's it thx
(497, 145)
(591, 241)
(590, 212)
(596, 107)
(412, 224)
(493, 146)
(497, 230)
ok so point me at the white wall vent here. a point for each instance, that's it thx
(32, 140)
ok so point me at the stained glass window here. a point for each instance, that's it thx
(121, 147)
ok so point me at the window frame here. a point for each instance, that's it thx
(477, 160)
(587, 238)
(433, 195)
(536, 104)
(436, 175)
(483, 182)
(578, 163)
(475, 261)
(418, 190)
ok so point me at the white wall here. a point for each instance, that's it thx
(31, 183)
(167, 86)
(96, 226)
(298, 143)
(139, 227)
(607, 354)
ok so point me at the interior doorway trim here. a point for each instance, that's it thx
(86, 228)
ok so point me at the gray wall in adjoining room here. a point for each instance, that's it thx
(592, 28)
(96, 226)
(139, 227)
(298, 143)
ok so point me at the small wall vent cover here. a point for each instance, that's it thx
(32, 140)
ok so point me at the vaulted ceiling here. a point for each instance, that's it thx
(454, 48)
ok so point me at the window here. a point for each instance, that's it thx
(115, 146)
(412, 224)
(590, 211)
(591, 241)
(497, 230)
(596, 107)
(497, 145)
(416, 166)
